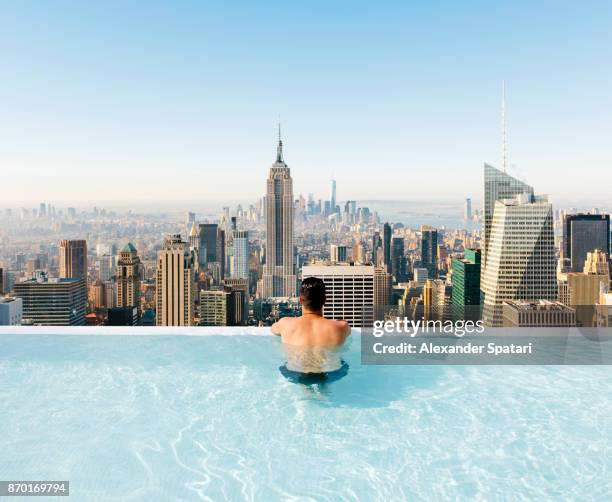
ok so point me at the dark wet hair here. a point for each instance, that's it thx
(312, 293)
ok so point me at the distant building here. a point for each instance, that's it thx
(127, 277)
(279, 278)
(398, 259)
(421, 275)
(583, 233)
(387, 233)
(521, 263)
(383, 288)
(429, 250)
(214, 307)
(498, 185)
(467, 211)
(240, 268)
(466, 285)
(596, 263)
(208, 243)
(350, 291)
(106, 266)
(53, 302)
(239, 301)
(73, 259)
(338, 254)
(11, 310)
(540, 314)
(122, 316)
(175, 284)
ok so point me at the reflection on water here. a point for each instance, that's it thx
(312, 359)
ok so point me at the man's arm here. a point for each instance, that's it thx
(345, 329)
(277, 327)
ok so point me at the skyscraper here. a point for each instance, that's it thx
(240, 268)
(429, 250)
(208, 243)
(583, 233)
(106, 267)
(332, 195)
(521, 250)
(467, 211)
(279, 279)
(498, 185)
(338, 254)
(398, 259)
(466, 285)
(174, 284)
(387, 232)
(73, 259)
(128, 275)
(53, 302)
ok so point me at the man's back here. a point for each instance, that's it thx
(311, 330)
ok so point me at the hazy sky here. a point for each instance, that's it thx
(178, 100)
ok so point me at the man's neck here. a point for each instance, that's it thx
(318, 313)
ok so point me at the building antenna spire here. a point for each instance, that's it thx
(503, 127)
(279, 150)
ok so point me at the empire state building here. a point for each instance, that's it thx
(279, 278)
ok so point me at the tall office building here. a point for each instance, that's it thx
(279, 279)
(338, 254)
(387, 232)
(465, 295)
(429, 250)
(106, 267)
(214, 307)
(175, 284)
(398, 259)
(73, 259)
(597, 263)
(128, 276)
(226, 306)
(208, 242)
(349, 291)
(583, 233)
(332, 195)
(194, 237)
(53, 302)
(498, 185)
(240, 267)
(521, 255)
(376, 245)
(239, 301)
(1, 280)
(467, 210)
(383, 286)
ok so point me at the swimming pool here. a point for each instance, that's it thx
(211, 417)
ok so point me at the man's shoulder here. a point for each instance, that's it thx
(286, 321)
(337, 325)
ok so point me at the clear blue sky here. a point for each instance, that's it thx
(179, 100)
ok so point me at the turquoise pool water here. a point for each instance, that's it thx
(211, 418)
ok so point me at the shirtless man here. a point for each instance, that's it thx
(311, 328)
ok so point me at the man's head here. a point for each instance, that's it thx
(312, 293)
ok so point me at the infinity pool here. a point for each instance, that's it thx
(211, 417)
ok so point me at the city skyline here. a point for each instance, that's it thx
(86, 101)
